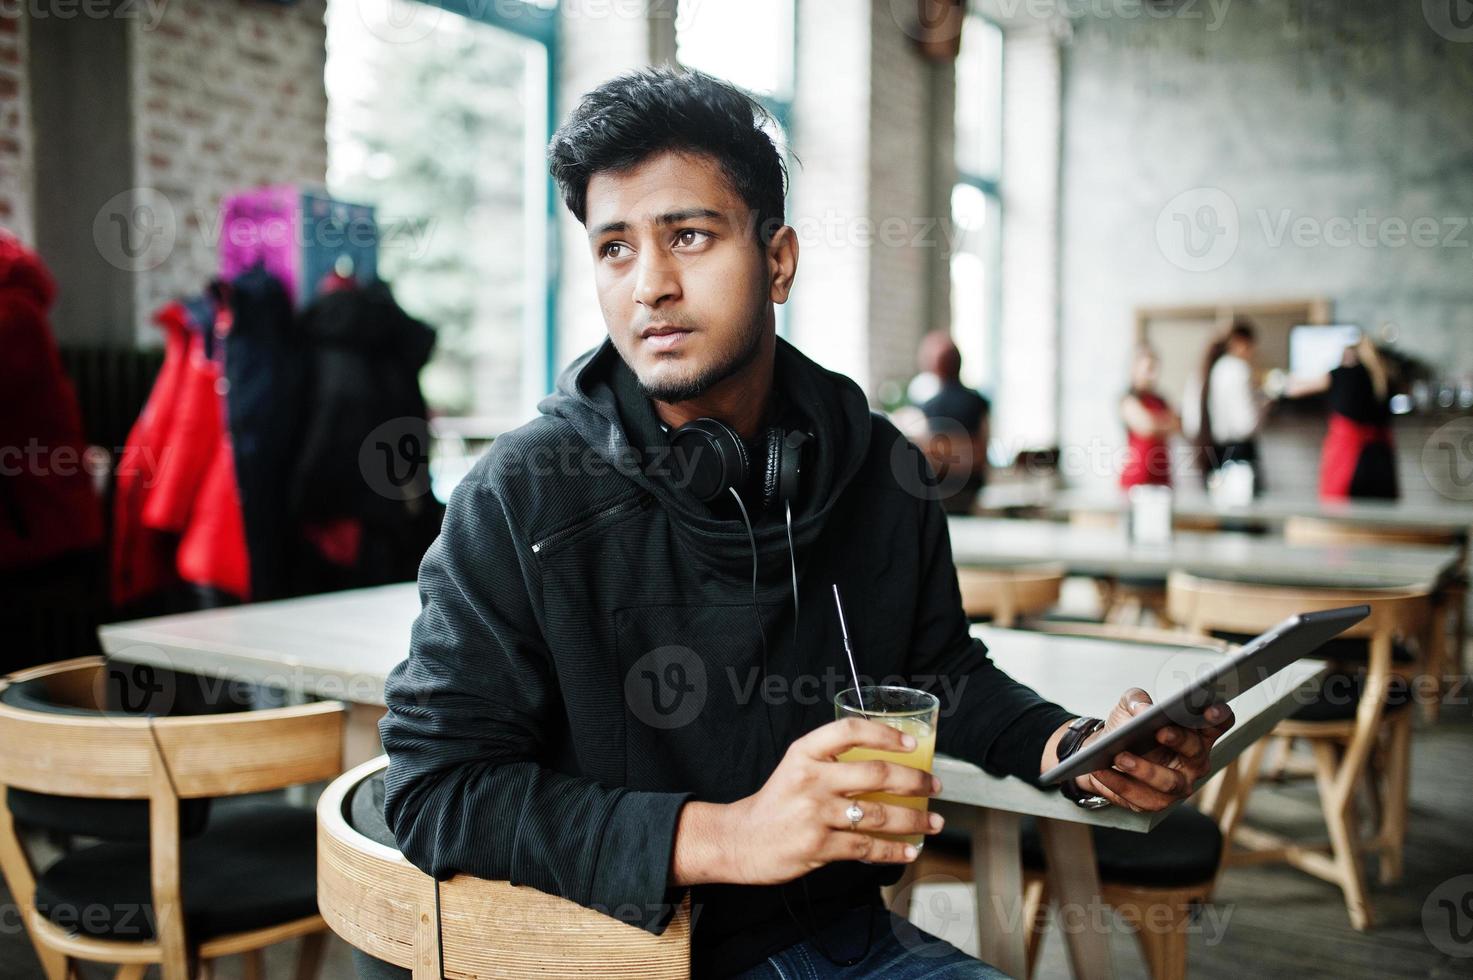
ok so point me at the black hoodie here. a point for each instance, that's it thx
(587, 657)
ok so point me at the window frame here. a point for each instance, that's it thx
(539, 24)
(991, 189)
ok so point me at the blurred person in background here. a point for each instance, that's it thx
(1150, 423)
(957, 422)
(1358, 457)
(1222, 410)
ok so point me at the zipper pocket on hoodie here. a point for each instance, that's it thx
(639, 502)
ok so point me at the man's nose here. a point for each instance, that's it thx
(656, 281)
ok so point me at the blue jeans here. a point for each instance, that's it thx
(899, 951)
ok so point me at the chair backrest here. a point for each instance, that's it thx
(101, 755)
(1318, 531)
(379, 903)
(1006, 594)
(1204, 606)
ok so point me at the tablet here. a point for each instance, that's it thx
(1257, 661)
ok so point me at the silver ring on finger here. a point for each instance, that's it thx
(855, 813)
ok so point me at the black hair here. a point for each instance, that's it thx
(631, 117)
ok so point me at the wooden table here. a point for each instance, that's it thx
(339, 645)
(1086, 676)
(989, 541)
(342, 645)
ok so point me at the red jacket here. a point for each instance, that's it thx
(177, 478)
(47, 503)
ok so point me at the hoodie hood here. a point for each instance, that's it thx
(600, 397)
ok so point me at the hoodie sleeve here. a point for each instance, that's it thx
(987, 717)
(470, 712)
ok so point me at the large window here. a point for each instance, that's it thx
(437, 116)
(976, 203)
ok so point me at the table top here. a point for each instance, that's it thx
(336, 645)
(1271, 509)
(343, 644)
(1088, 675)
(992, 541)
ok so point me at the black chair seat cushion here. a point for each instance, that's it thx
(1339, 694)
(365, 811)
(1183, 850)
(254, 866)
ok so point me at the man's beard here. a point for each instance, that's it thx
(673, 392)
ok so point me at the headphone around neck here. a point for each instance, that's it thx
(721, 462)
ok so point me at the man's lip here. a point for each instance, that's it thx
(661, 329)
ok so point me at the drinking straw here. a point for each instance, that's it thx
(849, 651)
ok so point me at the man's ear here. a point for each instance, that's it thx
(782, 263)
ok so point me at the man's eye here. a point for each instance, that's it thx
(611, 250)
(690, 236)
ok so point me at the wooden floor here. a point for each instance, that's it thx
(1266, 922)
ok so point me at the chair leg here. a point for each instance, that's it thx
(1339, 820)
(131, 971)
(1035, 914)
(251, 966)
(309, 959)
(1393, 827)
(1165, 950)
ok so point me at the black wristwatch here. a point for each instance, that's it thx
(1079, 729)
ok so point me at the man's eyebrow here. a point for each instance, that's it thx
(668, 218)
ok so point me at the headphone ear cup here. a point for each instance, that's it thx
(790, 466)
(714, 456)
(772, 467)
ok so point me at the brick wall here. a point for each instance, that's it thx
(227, 94)
(15, 151)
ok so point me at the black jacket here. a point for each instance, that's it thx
(527, 733)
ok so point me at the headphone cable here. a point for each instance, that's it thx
(808, 929)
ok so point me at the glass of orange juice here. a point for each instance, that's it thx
(908, 710)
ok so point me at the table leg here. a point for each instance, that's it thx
(1074, 882)
(997, 870)
(360, 735)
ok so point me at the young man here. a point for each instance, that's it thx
(599, 701)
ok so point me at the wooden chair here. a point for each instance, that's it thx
(1006, 595)
(1154, 880)
(385, 907)
(1450, 603)
(1356, 738)
(77, 750)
